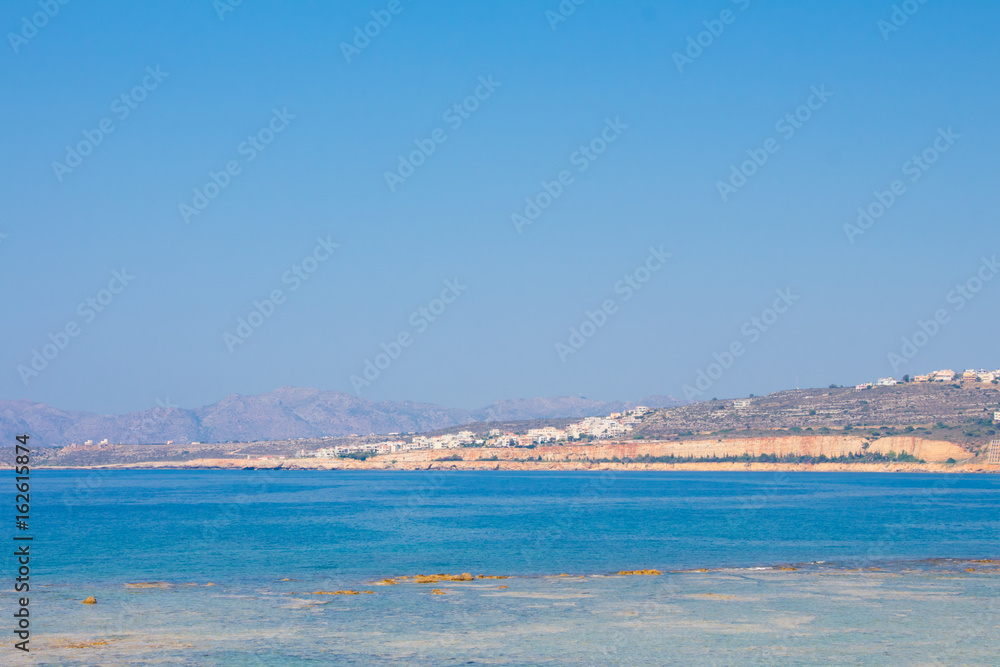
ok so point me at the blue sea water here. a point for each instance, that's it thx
(266, 541)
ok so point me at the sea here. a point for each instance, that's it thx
(283, 567)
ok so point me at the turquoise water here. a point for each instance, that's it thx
(863, 591)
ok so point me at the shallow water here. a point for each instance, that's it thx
(244, 531)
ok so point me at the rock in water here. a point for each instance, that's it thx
(90, 600)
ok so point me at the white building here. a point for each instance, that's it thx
(506, 440)
(546, 434)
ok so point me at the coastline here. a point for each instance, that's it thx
(935, 456)
(537, 466)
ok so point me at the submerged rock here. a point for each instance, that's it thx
(640, 572)
(100, 642)
(437, 591)
(434, 578)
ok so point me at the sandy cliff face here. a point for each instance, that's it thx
(376, 464)
(583, 457)
(815, 445)
(929, 450)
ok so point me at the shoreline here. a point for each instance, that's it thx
(536, 466)
(793, 453)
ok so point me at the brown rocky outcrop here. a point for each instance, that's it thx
(435, 578)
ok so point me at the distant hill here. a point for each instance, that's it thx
(958, 412)
(285, 413)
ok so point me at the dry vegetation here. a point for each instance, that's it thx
(962, 414)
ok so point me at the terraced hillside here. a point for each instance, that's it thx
(954, 412)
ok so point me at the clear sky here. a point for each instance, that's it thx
(309, 128)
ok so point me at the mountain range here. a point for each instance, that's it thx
(288, 412)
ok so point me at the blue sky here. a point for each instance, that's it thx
(343, 125)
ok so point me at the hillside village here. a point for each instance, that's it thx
(937, 376)
(615, 425)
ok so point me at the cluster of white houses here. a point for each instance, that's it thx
(615, 425)
(939, 376)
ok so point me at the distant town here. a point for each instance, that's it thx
(615, 425)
